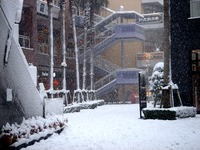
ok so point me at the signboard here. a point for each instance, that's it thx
(151, 18)
(151, 58)
(127, 76)
(142, 92)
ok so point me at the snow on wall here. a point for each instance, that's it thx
(15, 74)
(13, 10)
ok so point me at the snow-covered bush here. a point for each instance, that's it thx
(169, 114)
(159, 113)
(31, 129)
(156, 82)
(184, 112)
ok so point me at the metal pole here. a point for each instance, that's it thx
(76, 53)
(92, 63)
(122, 64)
(51, 46)
(64, 65)
(86, 24)
(84, 57)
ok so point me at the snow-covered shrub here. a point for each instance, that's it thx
(159, 113)
(184, 112)
(156, 82)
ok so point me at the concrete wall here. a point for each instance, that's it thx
(185, 37)
(15, 74)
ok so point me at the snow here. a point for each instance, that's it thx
(118, 127)
(158, 66)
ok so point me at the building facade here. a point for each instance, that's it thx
(185, 49)
(34, 39)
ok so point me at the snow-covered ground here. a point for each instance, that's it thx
(118, 127)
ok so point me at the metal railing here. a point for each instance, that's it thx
(105, 64)
(105, 80)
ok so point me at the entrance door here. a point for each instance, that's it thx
(196, 78)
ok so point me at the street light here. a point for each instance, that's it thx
(77, 91)
(86, 24)
(50, 7)
(64, 65)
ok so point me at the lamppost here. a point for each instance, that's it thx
(92, 90)
(86, 24)
(50, 6)
(76, 53)
(64, 65)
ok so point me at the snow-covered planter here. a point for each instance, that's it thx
(100, 102)
(159, 113)
(72, 109)
(184, 112)
(76, 107)
(34, 129)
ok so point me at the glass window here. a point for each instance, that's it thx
(43, 39)
(42, 7)
(194, 8)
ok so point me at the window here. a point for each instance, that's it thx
(194, 8)
(24, 41)
(42, 7)
(43, 39)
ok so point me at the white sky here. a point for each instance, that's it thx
(118, 127)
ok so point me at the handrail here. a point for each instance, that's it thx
(104, 64)
(105, 80)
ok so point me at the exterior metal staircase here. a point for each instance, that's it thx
(118, 26)
(111, 30)
(105, 64)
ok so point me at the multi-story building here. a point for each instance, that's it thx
(34, 39)
(185, 50)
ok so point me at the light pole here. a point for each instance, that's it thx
(64, 65)
(86, 24)
(76, 53)
(50, 6)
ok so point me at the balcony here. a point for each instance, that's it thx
(42, 8)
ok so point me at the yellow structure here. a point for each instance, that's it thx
(129, 5)
(131, 48)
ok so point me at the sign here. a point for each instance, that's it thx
(127, 76)
(151, 58)
(9, 95)
(142, 92)
(151, 18)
